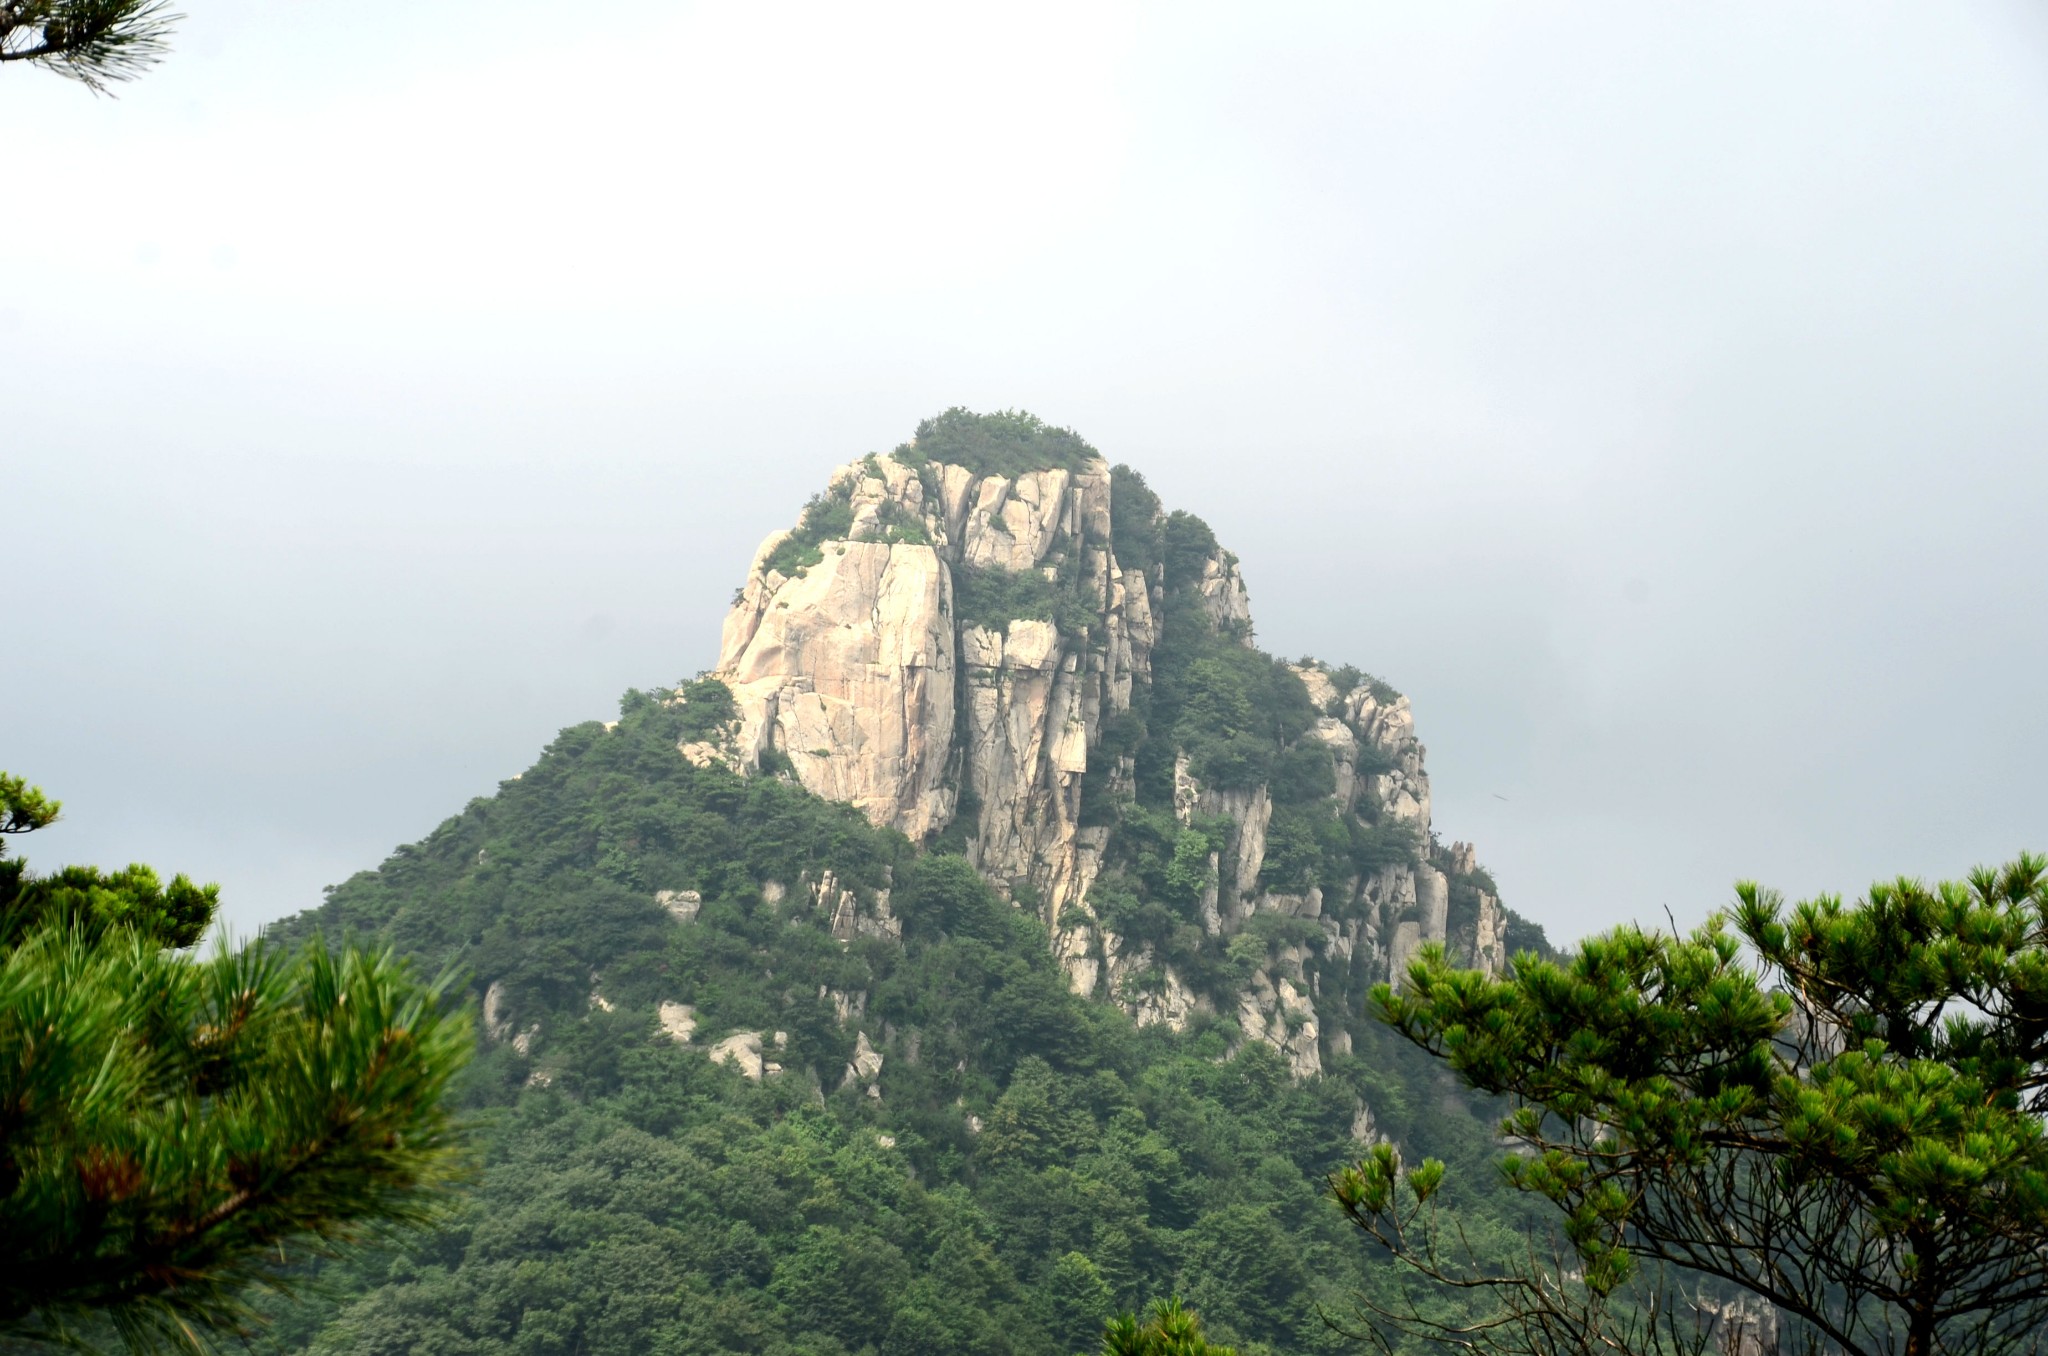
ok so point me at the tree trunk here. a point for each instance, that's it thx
(1926, 1294)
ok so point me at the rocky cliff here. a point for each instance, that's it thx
(993, 641)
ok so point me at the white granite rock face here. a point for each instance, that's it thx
(1010, 524)
(1251, 814)
(742, 1050)
(847, 1008)
(1482, 942)
(1490, 937)
(865, 1066)
(1153, 994)
(1741, 1327)
(678, 1021)
(497, 1017)
(682, 904)
(848, 672)
(856, 673)
(1407, 941)
(1225, 599)
(1433, 896)
(1276, 1009)
(860, 671)
(848, 915)
(1079, 950)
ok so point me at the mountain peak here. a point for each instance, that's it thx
(995, 643)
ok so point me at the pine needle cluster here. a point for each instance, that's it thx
(92, 41)
(175, 1131)
(1834, 1111)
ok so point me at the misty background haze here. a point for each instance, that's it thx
(1654, 393)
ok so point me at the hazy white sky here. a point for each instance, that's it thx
(1654, 393)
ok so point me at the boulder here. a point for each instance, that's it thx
(682, 904)
(742, 1050)
(865, 1066)
(678, 1021)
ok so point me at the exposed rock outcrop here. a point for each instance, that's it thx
(683, 905)
(678, 1021)
(863, 672)
(497, 1014)
(850, 915)
(742, 1050)
(865, 1066)
(847, 1007)
(1151, 992)
(847, 670)
(963, 654)
(1740, 1327)
(1274, 1009)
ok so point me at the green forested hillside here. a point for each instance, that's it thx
(1028, 1162)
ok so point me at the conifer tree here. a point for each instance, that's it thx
(1079, 1299)
(1835, 1109)
(176, 1130)
(92, 41)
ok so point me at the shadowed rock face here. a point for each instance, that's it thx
(951, 646)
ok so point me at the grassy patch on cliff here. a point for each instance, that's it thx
(829, 517)
(826, 517)
(995, 597)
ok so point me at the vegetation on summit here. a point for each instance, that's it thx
(1005, 443)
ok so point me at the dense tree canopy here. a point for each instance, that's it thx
(1029, 1165)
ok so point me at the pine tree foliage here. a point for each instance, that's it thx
(92, 41)
(174, 1130)
(1171, 1331)
(1835, 1109)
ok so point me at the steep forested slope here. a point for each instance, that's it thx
(1022, 1159)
